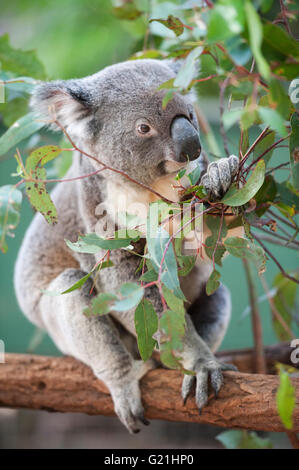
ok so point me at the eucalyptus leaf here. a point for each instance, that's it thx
(146, 324)
(285, 399)
(10, 205)
(20, 130)
(238, 197)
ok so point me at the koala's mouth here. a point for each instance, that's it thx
(168, 167)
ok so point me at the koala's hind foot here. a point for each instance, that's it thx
(209, 316)
(219, 176)
(96, 342)
(206, 367)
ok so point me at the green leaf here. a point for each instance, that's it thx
(146, 324)
(131, 294)
(39, 197)
(242, 248)
(263, 145)
(237, 439)
(188, 70)
(279, 98)
(157, 240)
(273, 119)
(12, 110)
(294, 150)
(77, 284)
(255, 29)
(213, 223)
(18, 61)
(239, 50)
(285, 399)
(100, 305)
(36, 191)
(173, 324)
(265, 194)
(195, 175)
(285, 302)
(10, 205)
(186, 263)
(231, 117)
(238, 197)
(167, 97)
(172, 23)
(280, 40)
(226, 20)
(41, 156)
(81, 282)
(128, 11)
(174, 303)
(150, 276)
(92, 243)
(20, 130)
(287, 195)
(213, 282)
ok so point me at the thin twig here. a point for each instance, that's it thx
(221, 108)
(260, 363)
(252, 147)
(265, 152)
(274, 241)
(283, 272)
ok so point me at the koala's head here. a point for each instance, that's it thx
(117, 116)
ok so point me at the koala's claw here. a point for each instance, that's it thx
(219, 176)
(127, 398)
(204, 370)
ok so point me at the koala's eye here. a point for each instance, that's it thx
(143, 128)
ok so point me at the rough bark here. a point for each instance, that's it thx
(63, 384)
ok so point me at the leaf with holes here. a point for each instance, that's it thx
(173, 23)
(36, 190)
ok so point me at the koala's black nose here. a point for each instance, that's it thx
(185, 138)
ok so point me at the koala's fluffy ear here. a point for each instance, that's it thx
(69, 102)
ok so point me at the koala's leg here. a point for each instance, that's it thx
(207, 321)
(210, 316)
(198, 357)
(96, 342)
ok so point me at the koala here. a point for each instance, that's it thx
(117, 116)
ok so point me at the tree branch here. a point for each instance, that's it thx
(63, 384)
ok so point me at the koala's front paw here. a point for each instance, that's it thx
(219, 176)
(205, 368)
(127, 398)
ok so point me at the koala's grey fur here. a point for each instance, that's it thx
(99, 113)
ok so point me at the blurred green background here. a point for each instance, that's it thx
(74, 39)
